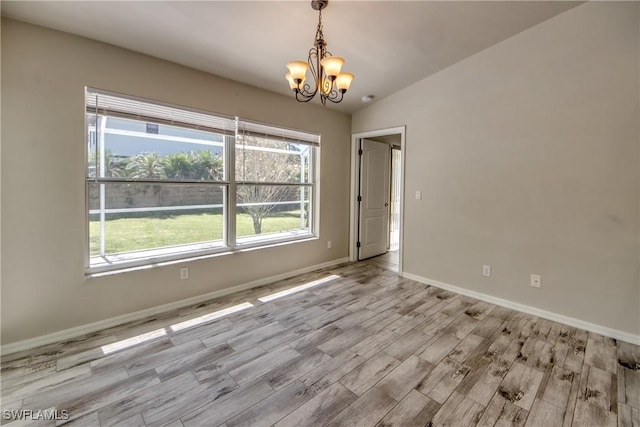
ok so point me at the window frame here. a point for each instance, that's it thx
(230, 243)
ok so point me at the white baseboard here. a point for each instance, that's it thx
(592, 327)
(119, 320)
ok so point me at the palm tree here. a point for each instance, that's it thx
(177, 166)
(206, 165)
(146, 165)
(114, 166)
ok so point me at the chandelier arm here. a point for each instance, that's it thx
(306, 90)
(301, 97)
(333, 96)
(305, 94)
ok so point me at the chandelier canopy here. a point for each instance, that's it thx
(325, 69)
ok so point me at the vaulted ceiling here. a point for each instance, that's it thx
(388, 45)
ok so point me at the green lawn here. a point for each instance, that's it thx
(130, 234)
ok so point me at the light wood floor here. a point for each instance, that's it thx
(356, 346)
(388, 261)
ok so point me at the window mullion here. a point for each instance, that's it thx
(101, 125)
(230, 202)
(302, 191)
(314, 211)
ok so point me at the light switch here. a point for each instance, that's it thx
(486, 270)
(418, 195)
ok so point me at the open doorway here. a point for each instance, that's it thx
(377, 182)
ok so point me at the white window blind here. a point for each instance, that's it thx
(263, 130)
(117, 105)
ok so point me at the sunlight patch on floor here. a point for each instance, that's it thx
(293, 290)
(130, 342)
(209, 317)
(138, 339)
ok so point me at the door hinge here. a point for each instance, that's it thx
(358, 244)
(360, 152)
(359, 198)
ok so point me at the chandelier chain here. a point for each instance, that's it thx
(319, 35)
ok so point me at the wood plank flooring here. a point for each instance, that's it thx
(388, 261)
(353, 345)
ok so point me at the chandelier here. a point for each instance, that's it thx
(325, 69)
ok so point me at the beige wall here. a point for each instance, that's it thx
(43, 197)
(528, 157)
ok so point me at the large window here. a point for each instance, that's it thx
(165, 183)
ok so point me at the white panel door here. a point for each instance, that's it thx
(374, 206)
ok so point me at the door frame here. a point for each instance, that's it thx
(355, 181)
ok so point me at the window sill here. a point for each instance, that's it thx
(145, 260)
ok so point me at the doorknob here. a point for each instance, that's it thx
(386, 204)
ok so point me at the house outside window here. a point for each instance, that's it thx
(197, 184)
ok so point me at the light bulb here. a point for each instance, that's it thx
(332, 66)
(292, 83)
(343, 81)
(298, 70)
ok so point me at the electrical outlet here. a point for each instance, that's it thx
(486, 270)
(328, 244)
(536, 280)
(184, 273)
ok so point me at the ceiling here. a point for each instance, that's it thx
(388, 45)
